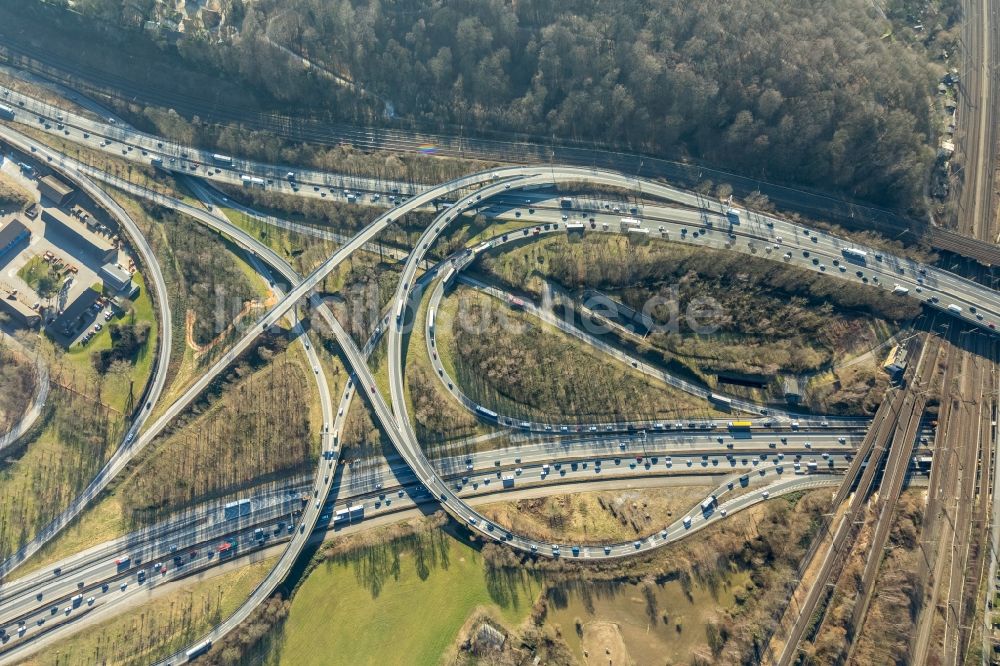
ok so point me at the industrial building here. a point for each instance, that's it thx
(115, 279)
(78, 314)
(11, 235)
(55, 190)
(20, 313)
(97, 247)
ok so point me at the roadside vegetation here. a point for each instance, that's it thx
(250, 426)
(209, 287)
(552, 71)
(82, 424)
(707, 599)
(761, 318)
(12, 195)
(333, 215)
(129, 367)
(504, 359)
(732, 574)
(19, 380)
(239, 434)
(379, 581)
(170, 620)
(215, 287)
(358, 291)
(302, 251)
(885, 635)
(607, 516)
(43, 475)
(438, 418)
(137, 173)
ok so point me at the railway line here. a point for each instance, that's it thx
(897, 469)
(959, 537)
(490, 184)
(960, 552)
(876, 444)
(965, 471)
(524, 151)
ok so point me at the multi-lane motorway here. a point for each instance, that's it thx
(697, 220)
(194, 536)
(144, 148)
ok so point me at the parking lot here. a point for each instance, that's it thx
(77, 267)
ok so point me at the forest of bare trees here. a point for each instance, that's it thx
(833, 94)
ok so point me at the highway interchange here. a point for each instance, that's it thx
(684, 217)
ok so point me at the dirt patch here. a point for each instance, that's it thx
(603, 645)
(190, 318)
(597, 517)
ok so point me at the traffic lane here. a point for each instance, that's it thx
(376, 508)
(111, 573)
(111, 604)
(150, 143)
(156, 382)
(408, 446)
(775, 223)
(932, 281)
(532, 454)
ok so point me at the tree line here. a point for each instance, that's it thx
(831, 94)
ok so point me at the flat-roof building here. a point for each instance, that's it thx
(78, 314)
(115, 279)
(96, 246)
(793, 390)
(55, 190)
(18, 311)
(895, 364)
(11, 235)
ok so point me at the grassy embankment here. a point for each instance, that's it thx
(81, 427)
(209, 285)
(700, 600)
(378, 587)
(610, 516)
(885, 635)
(705, 599)
(13, 197)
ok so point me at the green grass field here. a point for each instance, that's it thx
(39, 275)
(115, 390)
(383, 608)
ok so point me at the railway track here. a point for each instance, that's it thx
(891, 487)
(958, 504)
(957, 540)
(974, 428)
(875, 446)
